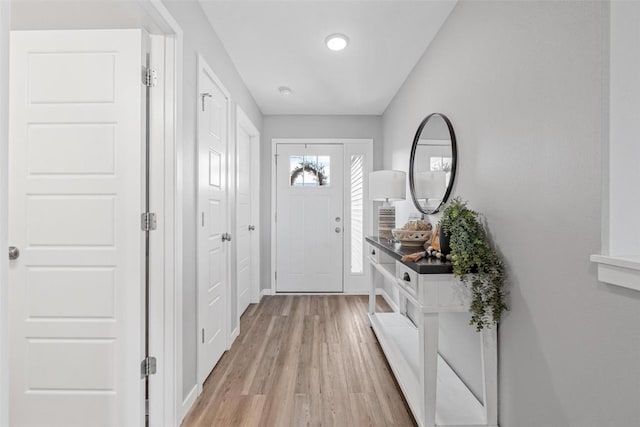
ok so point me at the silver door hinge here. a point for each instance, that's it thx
(148, 366)
(276, 158)
(276, 275)
(148, 221)
(146, 407)
(202, 335)
(150, 77)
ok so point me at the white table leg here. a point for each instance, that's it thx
(489, 341)
(372, 289)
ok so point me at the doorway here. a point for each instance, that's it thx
(247, 211)
(320, 215)
(309, 217)
(165, 245)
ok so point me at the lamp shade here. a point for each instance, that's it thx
(388, 185)
(430, 185)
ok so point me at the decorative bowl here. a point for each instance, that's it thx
(410, 238)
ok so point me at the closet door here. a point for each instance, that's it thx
(76, 195)
(213, 206)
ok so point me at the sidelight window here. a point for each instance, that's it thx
(357, 212)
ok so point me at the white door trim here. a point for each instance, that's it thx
(346, 142)
(242, 120)
(5, 25)
(168, 348)
(230, 183)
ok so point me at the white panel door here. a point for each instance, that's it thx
(213, 135)
(245, 229)
(309, 218)
(76, 195)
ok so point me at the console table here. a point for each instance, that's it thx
(433, 390)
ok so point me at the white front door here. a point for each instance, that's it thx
(309, 218)
(213, 138)
(76, 196)
(245, 212)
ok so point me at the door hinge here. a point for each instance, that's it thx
(150, 78)
(148, 221)
(276, 158)
(146, 407)
(202, 335)
(148, 367)
(276, 275)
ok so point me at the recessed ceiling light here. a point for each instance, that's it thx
(285, 91)
(337, 41)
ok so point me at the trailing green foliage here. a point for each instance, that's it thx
(475, 263)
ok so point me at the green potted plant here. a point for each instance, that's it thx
(475, 263)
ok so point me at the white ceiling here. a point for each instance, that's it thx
(79, 14)
(281, 43)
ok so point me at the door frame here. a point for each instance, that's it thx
(230, 184)
(5, 26)
(166, 300)
(243, 121)
(352, 284)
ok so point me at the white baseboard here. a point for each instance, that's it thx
(387, 298)
(264, 292)
(234, 334)
(357, 292)
(188, 402)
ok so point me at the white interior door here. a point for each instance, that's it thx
(246, 181)
(309, 218)
(76, 196)
(213, 138)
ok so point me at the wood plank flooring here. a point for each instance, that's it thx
(303, 361)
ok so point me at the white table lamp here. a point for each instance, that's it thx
(430, 186)
(387, 186)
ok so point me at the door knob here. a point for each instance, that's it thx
(14, 253)
(252, 227)
(226, 237)
(338, 229)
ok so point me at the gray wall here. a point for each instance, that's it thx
(200, 38)
(305, 127)
(523, 85)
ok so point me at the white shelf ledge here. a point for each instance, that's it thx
(455, 404)
(621, 271)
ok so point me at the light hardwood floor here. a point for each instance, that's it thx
(303, 361)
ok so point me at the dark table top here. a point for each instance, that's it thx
(427, 265)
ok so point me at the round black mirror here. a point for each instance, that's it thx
(432, 166)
